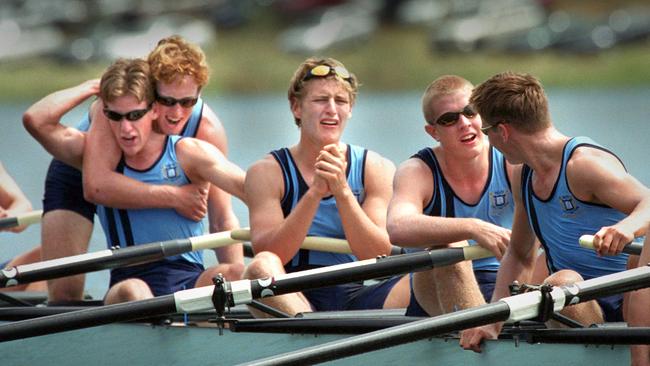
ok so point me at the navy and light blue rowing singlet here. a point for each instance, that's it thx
(494, 206)
(141, 226)
(560, 220)
(327, 222)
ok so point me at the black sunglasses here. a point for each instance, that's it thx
(131, 116)
(449, 118)
(487, 128)
(170, 102)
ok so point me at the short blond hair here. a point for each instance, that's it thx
(297, 83)
(444, 85)
(174, 57)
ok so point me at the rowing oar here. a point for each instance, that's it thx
(110, 258)
(514, 308)
(238, 292)
(331, 245)
(25, 219)
(587, 241)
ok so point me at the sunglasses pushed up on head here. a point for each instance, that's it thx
(450, 118)
(132, 116)
(322, 71)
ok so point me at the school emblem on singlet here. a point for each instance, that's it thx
(170, 171)
(568, 205)
(498, 199)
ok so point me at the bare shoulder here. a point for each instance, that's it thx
(211, 129)
(264, 175)
(378, 164)
(587, 161)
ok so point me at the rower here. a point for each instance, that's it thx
(127, 101)
(321, 187)
(569, 187)
(70, 209)
(451, 194)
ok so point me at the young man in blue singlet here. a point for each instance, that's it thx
(180, 70)
(569, 187)
(321, 187)
(127, 100)
(458, 191)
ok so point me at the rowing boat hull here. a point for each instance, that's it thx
(142, 344)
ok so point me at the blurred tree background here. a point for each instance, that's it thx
(253, 46)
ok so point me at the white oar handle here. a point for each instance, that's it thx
(30, 217)
(331, 245)
(587, 241)
(24, 219)
(476, 252)
(212, 241)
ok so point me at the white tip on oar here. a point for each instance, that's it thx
(212, 241)
(24, 219)
(30, 217)
(587, 241)
(331, 245)
(476, 252)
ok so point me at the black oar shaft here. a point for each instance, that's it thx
(519, 307)
(106, 259)
(8, 222)
(357, 271)
(394, 336)
(88, 318)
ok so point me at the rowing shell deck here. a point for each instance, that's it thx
(143, 344)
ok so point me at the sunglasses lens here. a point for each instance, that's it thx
(342, 72)
(136, 115)
(187, 102)
(469, 112)
(320, 70)
(166, 101)
(113, 116)
(448, 118)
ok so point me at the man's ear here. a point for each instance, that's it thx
(296, 110)
(432, 131)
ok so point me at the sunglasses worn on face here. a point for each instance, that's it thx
(131, 116)
(326, 70)
(449, 118)
(170, 102)
(487, 128)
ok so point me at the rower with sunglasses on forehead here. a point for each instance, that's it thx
(455, 193)
(126, 98)
(324, 187)
(180, 71)
(68, 217)
(570, 186)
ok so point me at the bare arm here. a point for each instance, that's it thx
(597, 176)
(12, 200)
(221, 216)
(409, 227)
(270, 230)
(103, 185)
(517, 264)
(203, 162)
(43, 121)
